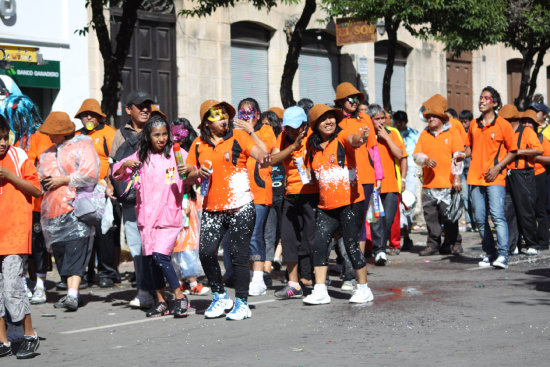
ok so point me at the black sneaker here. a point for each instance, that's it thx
(181, 309)
(160, 309)
(28, 347)
(5, 350)
(69, 303)
(288, 292)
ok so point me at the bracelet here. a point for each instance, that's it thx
(499, 167)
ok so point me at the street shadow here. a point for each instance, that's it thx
(542, 282)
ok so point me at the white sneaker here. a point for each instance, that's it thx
(240, 311)
(39, 296)
(485, 263)
(218, 306)
(380, 259)
(317, 297)
(349, 285)
(362, 295)
(257, 289)
(29, 292)
(500, 263)
(516, 251)
(531, 251)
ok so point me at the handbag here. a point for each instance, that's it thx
(89, 204)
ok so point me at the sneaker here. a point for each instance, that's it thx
(161, 309)
(380, 259)
(393, 251)
(531, 251)
(5, 350)
(256, 289)
(138, 302)
(199, 290)
(181, 309)
(28, 347)
(240, 311)
(185, 288)
(362, 295)
(407, 244)
(71, 303)
(317, 297)
(501, 263)
(218, 306)
(288, 292)
(349, 285)
(29, 292)
(485, 263)
(39, 296)
(515, 251)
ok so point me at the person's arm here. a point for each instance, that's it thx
(247, 126)
(280, 156)
(191, 171)
(261, 156)
(357, 140)
(493, 172)
(21, 184)
(457, 184)
(404, 165)
(529, 152)
(544, 159)
(468, 151)
(394, 149)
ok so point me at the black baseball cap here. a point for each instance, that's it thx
(138, 97)
(539, 107)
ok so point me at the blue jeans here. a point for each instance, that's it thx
(257, 242)
(466, 198)
(493, 198)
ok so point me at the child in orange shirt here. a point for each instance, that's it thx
(18, 182)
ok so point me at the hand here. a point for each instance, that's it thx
(52, 183)
(492, 173)
(245, 125)
(403, 186)
(382, 133)
(298, 142)
(6, 173)
(266, 161)
(364, 133)
(187, 211)
(457, 185)
(132, 164)
(204, 172)
(109, 190)
(431, 163)
(378, 185)
(184, 169)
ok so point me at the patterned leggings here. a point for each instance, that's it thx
(13, 296)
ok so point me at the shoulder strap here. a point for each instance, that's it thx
(521, 128)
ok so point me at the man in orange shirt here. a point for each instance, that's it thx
(492, 146)
(102, 135)
(437, 147)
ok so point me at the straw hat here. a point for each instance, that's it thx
(319, 110)
(90, 105)
(509, 112)
(436, 106)
(437, 99)
(208, 104)
(529, 114)
(278, 111)
(344, 90)
(57, 123)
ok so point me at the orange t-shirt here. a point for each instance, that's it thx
(102, 136)
(456, 124)
(15, 206)
(260, 178)
(539, 167)
(38, 144)
(496, 138)
(336, 173)
(390, 182)
(294, 184)
(529, 140)
(441, 149)
(365, 170)
(229, 185)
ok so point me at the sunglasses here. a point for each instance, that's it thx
(247, 114)
(352, 99)
(217, 113)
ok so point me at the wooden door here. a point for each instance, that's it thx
(513, 76)
(459, 82)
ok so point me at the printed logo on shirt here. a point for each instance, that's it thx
(37, 227)
(97, 140)
(226, 156)
(170, 175)
(446, 141)
(332, 158)
(492, 136)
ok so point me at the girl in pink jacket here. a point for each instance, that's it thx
(159, 191)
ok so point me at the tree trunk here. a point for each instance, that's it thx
(294, 48)
(391, 28)
(535, 74)
(113, 61)
(521, 101)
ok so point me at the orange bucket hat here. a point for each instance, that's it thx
(319, 110)
(344, 90)
(90, 105)
(154, 108)
(509, 112)
(208, 104)
(57, 123)
(278, 111)
(529, 114)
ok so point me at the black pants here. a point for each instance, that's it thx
(434, 217)
(520, 208)
(380, 230)
(40, 254)
(350, 219)
(240, 223)
(298, 226)
(71, 256)
(160, 267)
(540, 211)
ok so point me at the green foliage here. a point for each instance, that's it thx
(207, 7)
(528, 24)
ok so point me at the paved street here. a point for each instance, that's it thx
(436, 311)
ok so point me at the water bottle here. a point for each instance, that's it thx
(206, 181)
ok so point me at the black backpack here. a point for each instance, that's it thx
(129, 147)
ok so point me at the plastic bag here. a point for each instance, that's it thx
(375, 210)
(108, 217)
(89, 204)
(454, 209)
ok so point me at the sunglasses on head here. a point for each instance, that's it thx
(247, 114)
(352, 99)
(217, 113)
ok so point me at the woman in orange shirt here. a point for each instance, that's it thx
(219, 156)
(331, 156)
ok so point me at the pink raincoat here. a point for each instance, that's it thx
(159, 193)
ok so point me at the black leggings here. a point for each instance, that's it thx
(350, 219)
(160, 267)
(240, 223)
